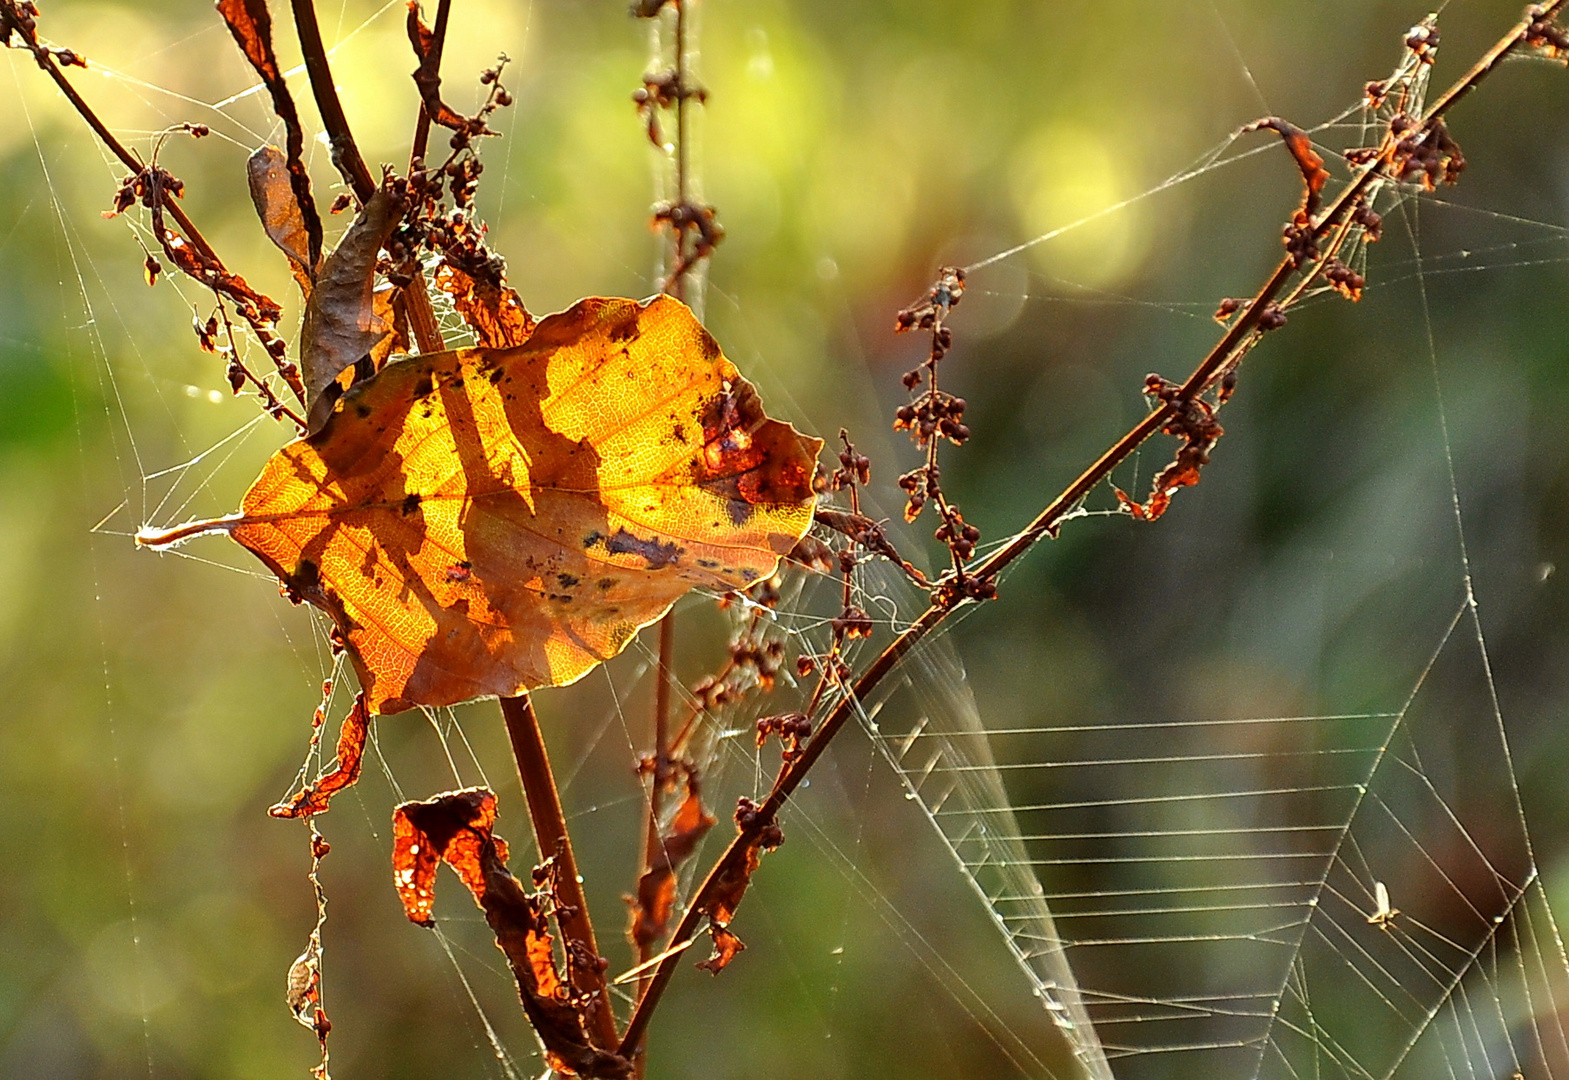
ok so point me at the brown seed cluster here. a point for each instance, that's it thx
(1424, 155)
(792, 730)
(1546, 35)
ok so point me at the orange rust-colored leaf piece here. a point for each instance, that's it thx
(448, 828)
(456, 828)
(656, 888)
(485, 522)
(493, 311)
(314, 798)
(1300, 144)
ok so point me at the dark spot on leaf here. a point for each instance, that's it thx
(658, 555)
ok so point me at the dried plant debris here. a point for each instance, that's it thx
(656, 887)
(268, 177)
(456, 828)
(1424, 154)
(427, 77)
(725, 898)
(341, 325)
(1546, 34)
(251, 25)
(315, 798)
(1194, 423)
(487, 305)
(303, 985)
(1300, 235)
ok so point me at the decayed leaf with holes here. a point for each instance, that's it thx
(492, 310)
(455, 828)
(490, 521)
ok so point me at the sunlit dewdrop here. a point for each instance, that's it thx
(198, 393)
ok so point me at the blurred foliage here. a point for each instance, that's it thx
(155, 706)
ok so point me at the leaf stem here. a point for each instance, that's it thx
(659, 776)
(550, 832)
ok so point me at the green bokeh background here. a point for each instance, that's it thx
(153, 707)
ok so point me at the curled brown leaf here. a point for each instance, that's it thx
(341, 325)
(267, 172)
(251, 24)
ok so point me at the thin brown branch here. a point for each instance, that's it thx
(438, 42)
(794, 771)
(659, 777)
(584, 963)
(15, 23)
(676, 285)
(345, 152)
(422, 317)
(195, 256)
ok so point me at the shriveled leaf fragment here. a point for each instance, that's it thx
(1195, 424)
(267, 172)
(1300, 145)
(251, 25)
(726, 899)
(656, 888)
(456, 828)
(427, 77)
(447, 828)
(341, 325)
(314, 798)
(734, 879)
(491, 309)
(303, 987)
(485, 522)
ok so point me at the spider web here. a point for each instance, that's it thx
(1183, 896)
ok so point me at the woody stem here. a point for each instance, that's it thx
(550, 833)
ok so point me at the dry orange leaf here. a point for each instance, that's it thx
(489, 521)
